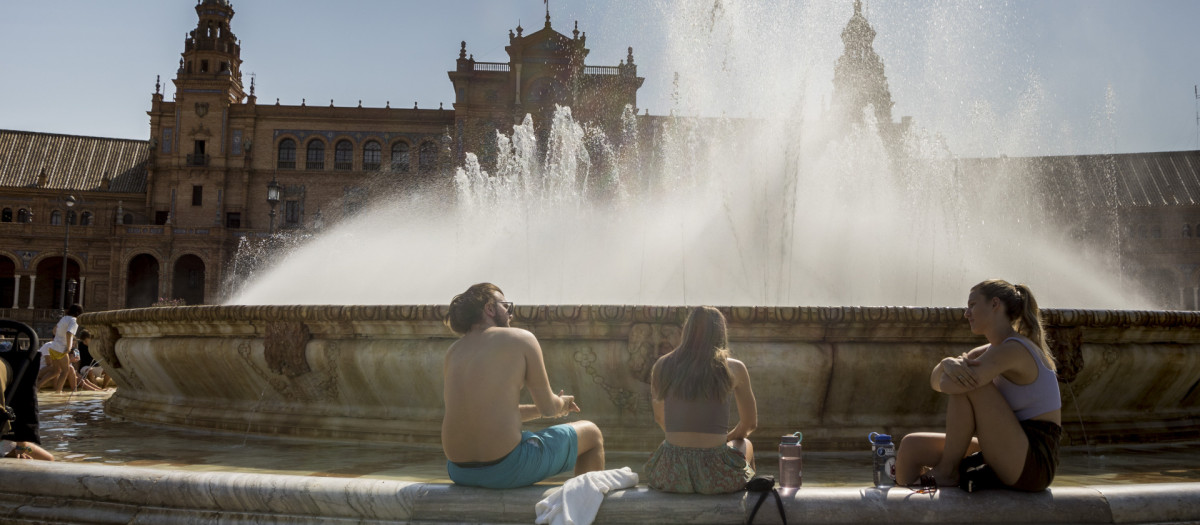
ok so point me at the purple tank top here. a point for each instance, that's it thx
(1036, 398)
(700, 415)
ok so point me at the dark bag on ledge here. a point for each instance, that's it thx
(764, 485)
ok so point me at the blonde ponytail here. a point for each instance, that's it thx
(1021, 307)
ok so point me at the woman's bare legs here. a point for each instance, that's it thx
(745, 447)
(982, 412)
(1001, 438)
(960, 439)
(942, 452)
(61, 366)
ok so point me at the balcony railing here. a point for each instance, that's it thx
(314, 165)
(491, 66)
(194, 159)
(287, 164)
(601, 70)
(343, 165)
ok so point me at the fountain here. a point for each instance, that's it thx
(313, 370)
(758, 215)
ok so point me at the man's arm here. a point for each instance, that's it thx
(529, 412)
(545, 402)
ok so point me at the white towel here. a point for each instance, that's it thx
(578, 501)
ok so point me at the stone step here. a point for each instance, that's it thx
(44, 492)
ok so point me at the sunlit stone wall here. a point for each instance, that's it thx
(374, 372)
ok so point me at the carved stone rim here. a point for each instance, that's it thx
(624, 314)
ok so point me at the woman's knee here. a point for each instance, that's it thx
(922, 440)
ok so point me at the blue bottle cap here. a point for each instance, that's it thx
(879, 439)
(791, 439)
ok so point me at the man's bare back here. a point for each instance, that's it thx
(484, 373)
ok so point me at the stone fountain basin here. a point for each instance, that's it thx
(836, 373)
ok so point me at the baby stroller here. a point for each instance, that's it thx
(19, 349)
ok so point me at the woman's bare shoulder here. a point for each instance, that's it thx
(736, 366)
(1009, 354)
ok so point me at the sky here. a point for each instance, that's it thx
(1017, 77)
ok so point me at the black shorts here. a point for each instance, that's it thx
(1041, 461)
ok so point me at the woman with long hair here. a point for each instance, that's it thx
(1004, 408)
(690, 390)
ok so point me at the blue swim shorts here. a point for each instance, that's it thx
(538, 456)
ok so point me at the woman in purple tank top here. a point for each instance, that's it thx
(690, 390)
(1003, 408)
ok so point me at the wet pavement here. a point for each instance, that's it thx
(75, 429)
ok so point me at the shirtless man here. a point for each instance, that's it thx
(484, 373)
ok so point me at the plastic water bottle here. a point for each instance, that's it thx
(791, 464)
(885, 459)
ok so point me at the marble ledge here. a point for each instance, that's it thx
(37, 492)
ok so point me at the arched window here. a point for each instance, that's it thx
(287, 154)
(343, 155)
(400, 157)
(127, 219)
(427, 157)
(85, 219)
(315, 159)
(56, 218)
(372, 154)
(6, 215)
(24, 216)
(71, 216)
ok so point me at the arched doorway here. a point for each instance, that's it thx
(47, 291)
(141, 285)
(8, 280)
(188, 281)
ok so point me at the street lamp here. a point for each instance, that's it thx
(70, 202)
(272, 199)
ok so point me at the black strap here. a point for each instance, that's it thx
(778, 503)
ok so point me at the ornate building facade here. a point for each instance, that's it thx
(161, 218)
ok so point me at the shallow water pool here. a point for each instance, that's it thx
(75, 429)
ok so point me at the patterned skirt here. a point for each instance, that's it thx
(716, 470)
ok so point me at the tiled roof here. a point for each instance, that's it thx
(72, 162)
(1128, 180)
